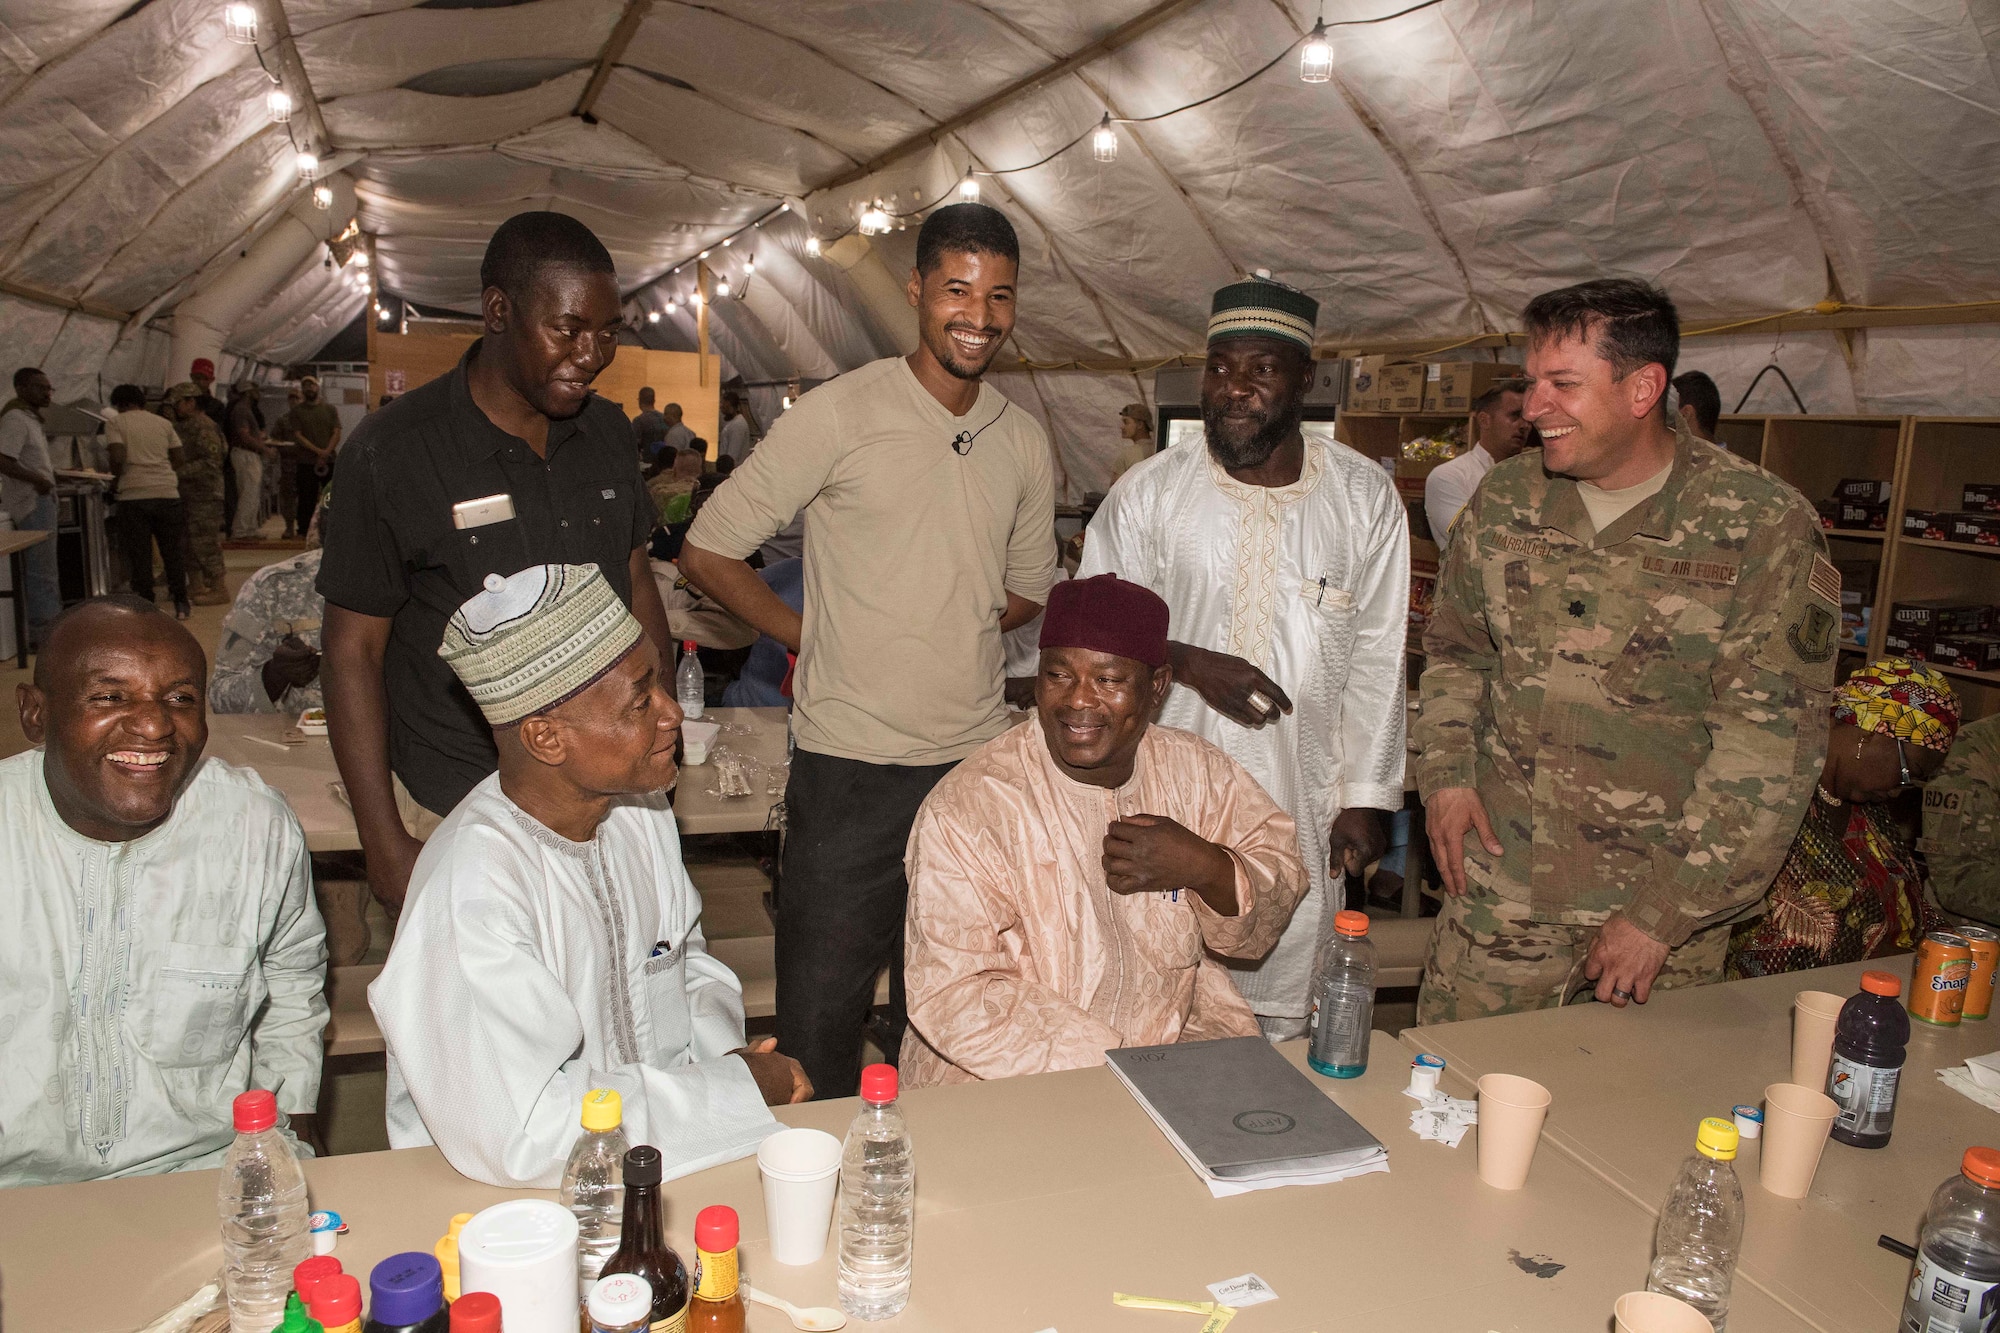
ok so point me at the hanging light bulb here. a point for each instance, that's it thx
(359, 259)
(874, 219)
(279, 103)
(323, 197)
(968, 189)
(1104, 141)
(652, 316)
(702, 255)
(727, 241)
(721, 288)
(239, 23)
(309, 169)
(749, 265)
(1316, 59)
(812, 245)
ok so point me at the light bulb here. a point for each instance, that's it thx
(239, 23)
(1316, 59)
(968, 189)
(652, 317)
(279, 103)
(787, 401)
(360, 259)
(749, 265)
(309, 168)
(677, 268)
(323, 197)
(722, 287)
(727, 241)
(874, 219)
(702, 255)
(1104, 141)
(812, 245)
(672, 305)
(785, 207)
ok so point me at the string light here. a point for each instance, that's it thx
(721, 287)
(968, 189)
(652, 317)
(812, 245)
(239, 23)
(702, 255)
(279, 103)
(309, 169)
(359, 259)
(1104, 141)
(672, 305)
(727, 241)
(1316, 59)
(749, 265)
(323, 197)
(874, 219)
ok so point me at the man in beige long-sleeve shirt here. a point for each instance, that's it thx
(929, 506)
(1070, 881)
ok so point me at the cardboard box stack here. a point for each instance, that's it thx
(1451, 386)
(1976, 522)
(1945, 633)
(1858, 505)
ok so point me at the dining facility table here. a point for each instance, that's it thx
(1037, 1198)
(303, 772)
(15, 545)
(1630, 1085)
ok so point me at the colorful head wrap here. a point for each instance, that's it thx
(1263, 308)
(1107, 614)
(1900, 698)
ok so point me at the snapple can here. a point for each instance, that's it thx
(1985, 946)
(1937, 987)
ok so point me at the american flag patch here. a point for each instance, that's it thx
(1825, 581)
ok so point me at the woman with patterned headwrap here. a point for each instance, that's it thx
(1851, 887)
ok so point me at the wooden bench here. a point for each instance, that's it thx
(350, 1024)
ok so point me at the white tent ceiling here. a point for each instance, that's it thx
(1751, 155)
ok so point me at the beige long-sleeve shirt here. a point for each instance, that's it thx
(1020, 960)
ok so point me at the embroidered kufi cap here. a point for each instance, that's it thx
(536, 639)
(1263, 308)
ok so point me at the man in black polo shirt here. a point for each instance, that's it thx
(506, 462)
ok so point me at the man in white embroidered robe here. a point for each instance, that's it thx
(1285, 562)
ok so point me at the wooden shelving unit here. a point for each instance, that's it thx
(1927, 460)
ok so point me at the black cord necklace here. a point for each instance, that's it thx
(961, 443)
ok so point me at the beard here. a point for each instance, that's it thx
(1247, 441)
(948, 355)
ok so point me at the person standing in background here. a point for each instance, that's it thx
(1499, 432)
(201, 373)
(734, 438)
(929, 504)
(284, 459)
(1135, 432)
(1701, 405)
(28, 492)
(146, 457)
(199, 475)
(248, 448)
(1961, 842)
(1284, 559)
(506, 461)
(315, 432)
(649, 428)
(679, 435)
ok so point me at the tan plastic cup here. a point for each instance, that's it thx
(801, 1171)
(1796, 1123)
(1511, 1111)
(1652, 1312)
(1814, 1013)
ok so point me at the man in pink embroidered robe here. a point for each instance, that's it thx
(1071, 880)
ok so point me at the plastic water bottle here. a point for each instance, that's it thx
(262, 1201)
(878, 1178)
(1956, 1285)
(1701, 1226)
(1343, 999)
(690, 687)
(593, 1185)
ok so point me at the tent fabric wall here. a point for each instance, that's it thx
(1750, 155)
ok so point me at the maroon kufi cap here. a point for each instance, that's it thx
(1107, 614)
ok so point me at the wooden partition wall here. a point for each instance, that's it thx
(402, 361)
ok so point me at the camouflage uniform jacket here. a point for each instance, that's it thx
(204, 453)
(1642, 711)
(1961, 842)
(275, 601)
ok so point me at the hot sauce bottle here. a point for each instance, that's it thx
(642, 1243)
(717, 1306)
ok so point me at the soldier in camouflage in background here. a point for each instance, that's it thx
(1625, 706)
(1961, 842)
(201, 493)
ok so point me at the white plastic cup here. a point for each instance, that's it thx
(801, 1171)
(524, 1252)
(697, 739)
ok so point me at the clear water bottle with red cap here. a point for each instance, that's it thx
(1956, 1285)
(878, 1194)
(1343, 999)
(266, 1231)
(690, 686)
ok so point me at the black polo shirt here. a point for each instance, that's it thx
(391, 549)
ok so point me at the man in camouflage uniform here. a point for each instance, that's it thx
(1629, 663)
(1961, 842)
(268, 660)
(200, 474)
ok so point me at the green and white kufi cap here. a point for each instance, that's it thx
(535, 639)
(1263, 308)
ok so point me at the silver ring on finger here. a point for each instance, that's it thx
(1617, 994)
(1260, 703)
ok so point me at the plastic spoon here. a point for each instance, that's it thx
(814, 1319)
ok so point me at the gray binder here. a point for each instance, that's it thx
(1239, 1111)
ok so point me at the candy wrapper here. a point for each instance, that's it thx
(1444, 1119)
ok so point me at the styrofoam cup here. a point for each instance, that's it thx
(1511, 1111)
(1814, 1012)
(1796, 1123)
(801, 1171)
(697, 738)
(524, 1252)
(1653, 1312)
